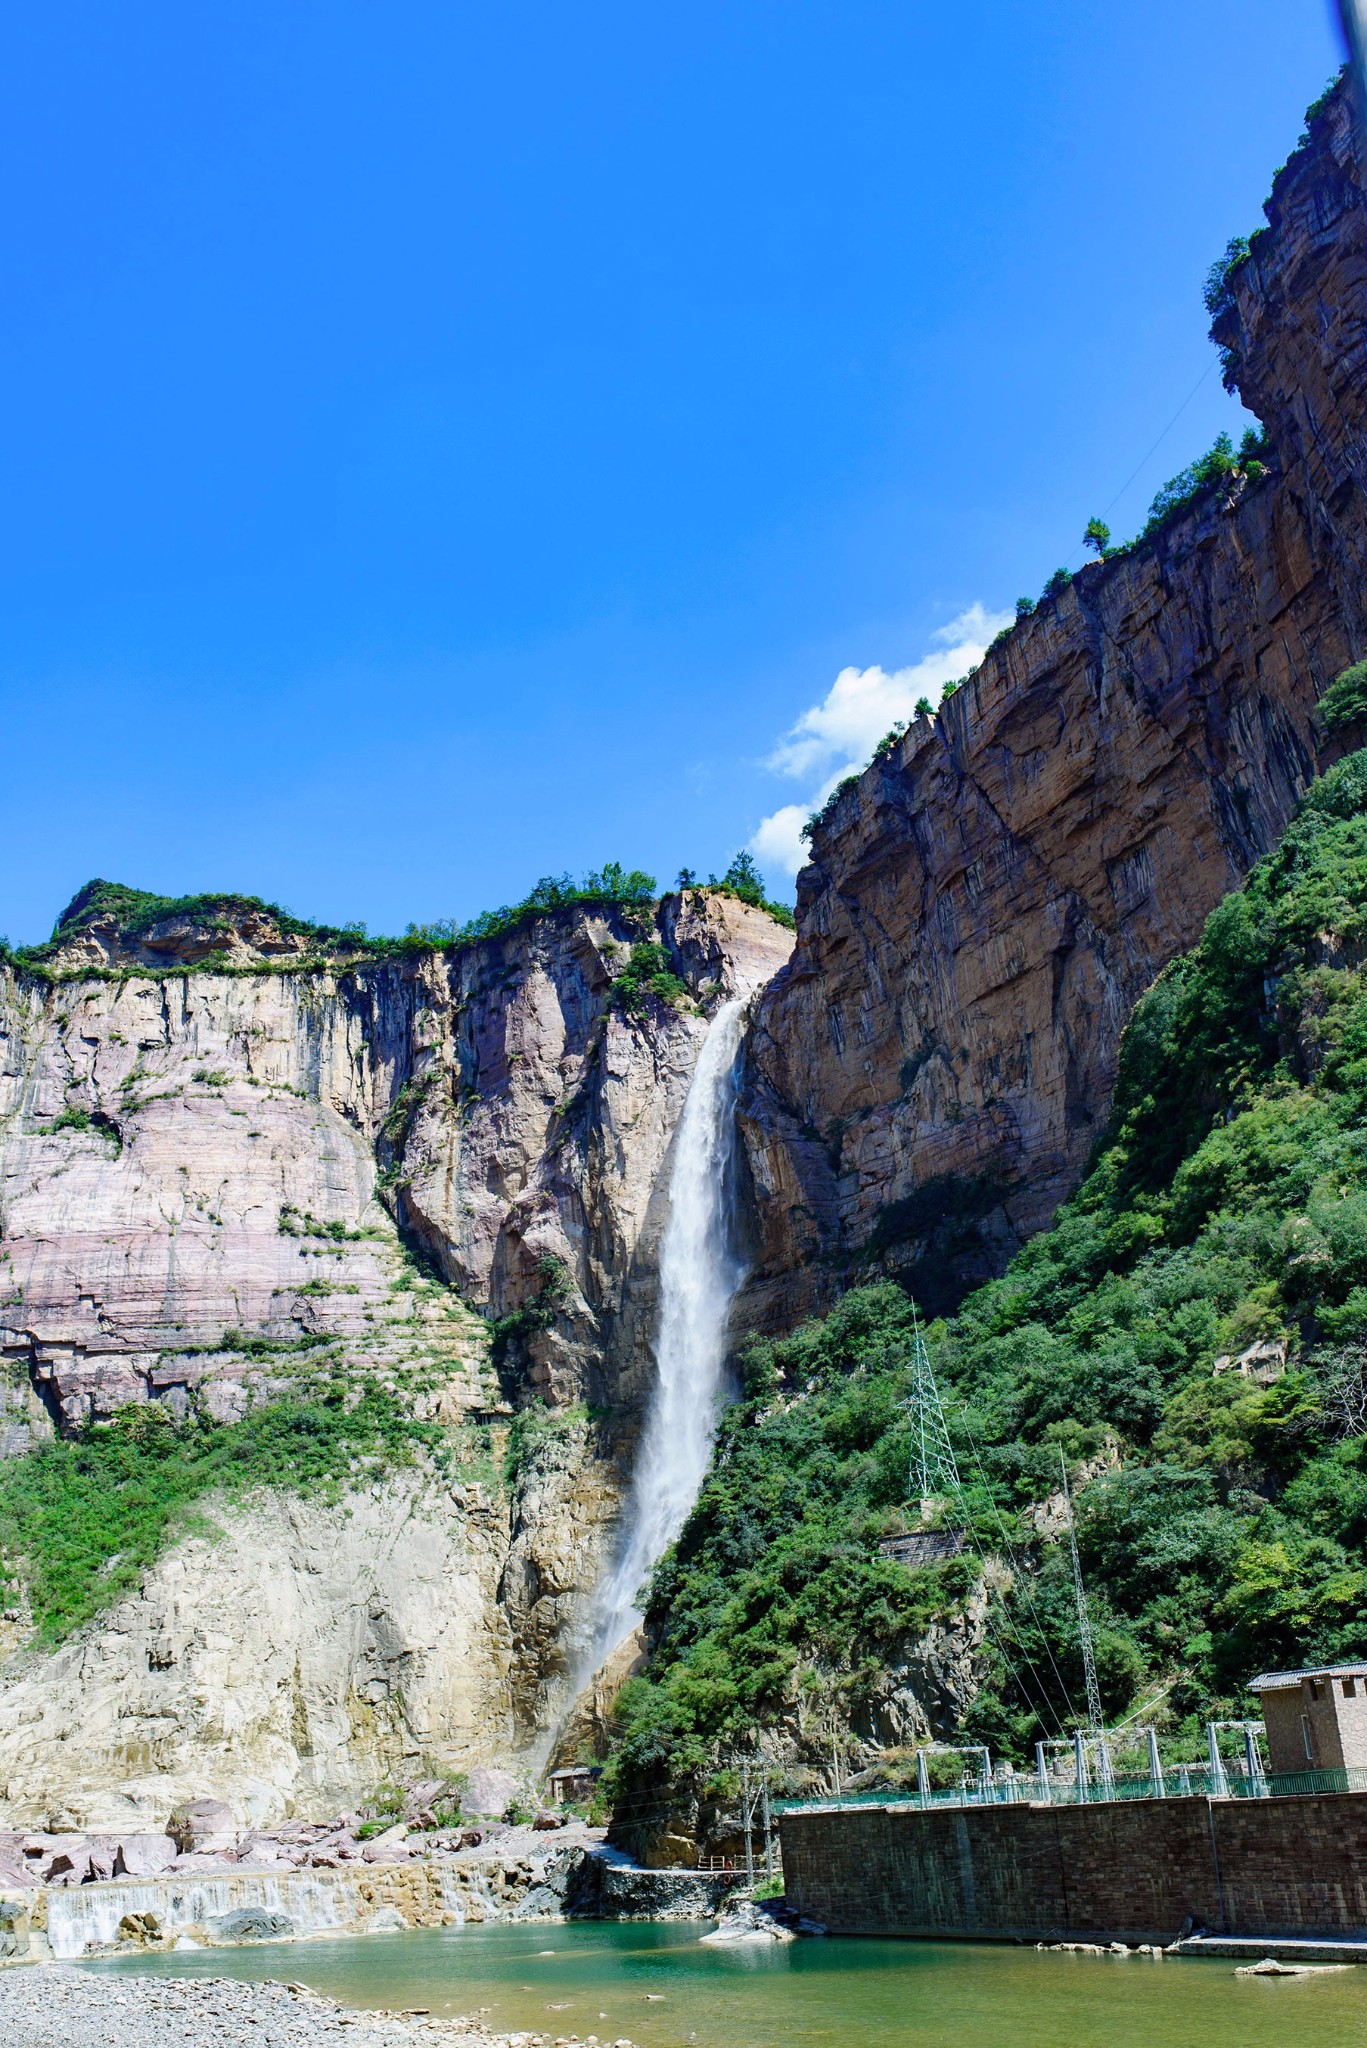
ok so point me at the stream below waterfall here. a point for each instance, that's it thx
(657, 1985)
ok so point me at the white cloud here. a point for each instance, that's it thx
(778, 843)
(834, 738)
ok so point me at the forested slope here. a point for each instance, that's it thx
(1191, 1333)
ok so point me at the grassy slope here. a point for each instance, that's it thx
(1229, 1204)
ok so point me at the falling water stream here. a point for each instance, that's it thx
(699, 1274)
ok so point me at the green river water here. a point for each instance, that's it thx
(658, 1985)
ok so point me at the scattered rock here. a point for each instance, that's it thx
(252, 1923)
(1270, 1967)
(745, 1920)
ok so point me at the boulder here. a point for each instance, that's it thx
(251, 1923)
(205, 1827)
(144, 1855)
(14, 1926)
(66, 1867)
(390, 1847)
(489, 1790)
(744, 1920)
(143, 1929)
(386, 1920)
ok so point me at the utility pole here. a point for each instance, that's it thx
(747, 1810)
(1084, 1630)
(768, 1821)
(1219, 1783)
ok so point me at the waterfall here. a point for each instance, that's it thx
(88, 1916)
(699, 1274)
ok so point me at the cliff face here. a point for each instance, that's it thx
(928, 1076)
(215, 1177)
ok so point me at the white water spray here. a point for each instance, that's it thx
(699, 1275)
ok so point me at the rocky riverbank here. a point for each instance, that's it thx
(67, 2008)
(64, 1896)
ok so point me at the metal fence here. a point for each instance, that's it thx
(1007, 1787)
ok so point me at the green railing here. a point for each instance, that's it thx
(1179, 1781)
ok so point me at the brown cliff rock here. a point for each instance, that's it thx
(928, 1076)
(443, 1171)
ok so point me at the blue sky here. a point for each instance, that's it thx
(448, 444)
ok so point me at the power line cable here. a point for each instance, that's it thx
(1139, 466)
(1021, 1576)
(933, 1456)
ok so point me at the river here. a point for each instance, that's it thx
(656, 1984)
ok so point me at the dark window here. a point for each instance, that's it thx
(1307, 1739)
(1350, 1686)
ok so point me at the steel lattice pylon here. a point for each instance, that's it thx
(1084, 1631)
(933, 1470)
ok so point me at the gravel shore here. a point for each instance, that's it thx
(60, 2007)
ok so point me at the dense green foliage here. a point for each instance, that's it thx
(646, 974)
(610, 887)
(775, 1583)
(1222, 1520)
(1345, 701)
(744, 880)
(81, 1518)
(1219, 467)
(137, 910)
(1219, 290)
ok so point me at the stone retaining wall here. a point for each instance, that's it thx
(1133, 1870)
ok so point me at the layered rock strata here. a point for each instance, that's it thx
(928, 1076)
(227, 1173)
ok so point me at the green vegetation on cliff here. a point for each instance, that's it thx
(1192, 1333)
(81, 1518)
(136, 911)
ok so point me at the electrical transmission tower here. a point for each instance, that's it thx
(1084, 1630)
(933, 1470)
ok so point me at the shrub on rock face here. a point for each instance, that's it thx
(1345, 701)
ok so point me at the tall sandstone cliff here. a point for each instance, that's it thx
(209, 1181)
(927, 1077)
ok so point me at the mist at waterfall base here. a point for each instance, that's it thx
(700, 1270)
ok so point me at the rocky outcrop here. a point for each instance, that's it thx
(928, 1076)
(227, 1173)
(292, 1656)
(604, 1890)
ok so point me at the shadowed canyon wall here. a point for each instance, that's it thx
(927, 1077)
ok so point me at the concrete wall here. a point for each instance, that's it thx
(1136, 1870)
